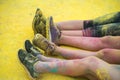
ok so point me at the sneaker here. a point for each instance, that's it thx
(39, 22)
(44, 44)
(31, 49)
(28, 61)
(55, 33)
(52, 31)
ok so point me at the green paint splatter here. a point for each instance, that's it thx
(54, 70)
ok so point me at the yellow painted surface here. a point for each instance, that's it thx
(16, 26)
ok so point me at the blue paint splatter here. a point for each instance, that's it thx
(53, 70)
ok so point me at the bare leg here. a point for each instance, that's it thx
(47, 59)
(88, 43)
(71, 25)
(73, 54)
(63, 67)
(89, 67)
(99, 31)
(110, 55)
(72, 32)
(91, 43)
(105, 42)
(67, 53)
(79, 24)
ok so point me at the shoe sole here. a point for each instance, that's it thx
(51, 32)
(48, 33)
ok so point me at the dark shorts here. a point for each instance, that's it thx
(108, 24)
(112, 29)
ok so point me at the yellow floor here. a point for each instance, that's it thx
(15, 27)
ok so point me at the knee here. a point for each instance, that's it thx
(106, 39)
(101, 53)
(106, 50)
(91, 60)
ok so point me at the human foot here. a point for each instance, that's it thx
(44, 44)
(28, 61)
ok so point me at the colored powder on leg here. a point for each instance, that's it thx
(54, 70)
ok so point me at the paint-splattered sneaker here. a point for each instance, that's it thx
(44, 44)
(28, 61)
(39, 23)
(31, 49)
(55, 32)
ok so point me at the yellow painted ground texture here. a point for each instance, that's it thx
(16, 26)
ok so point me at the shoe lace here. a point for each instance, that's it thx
(50, 47)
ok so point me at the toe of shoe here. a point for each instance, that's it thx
(28, 45)
(21, 55)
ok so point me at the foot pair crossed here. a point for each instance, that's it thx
(28, 58)
(45, 26)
